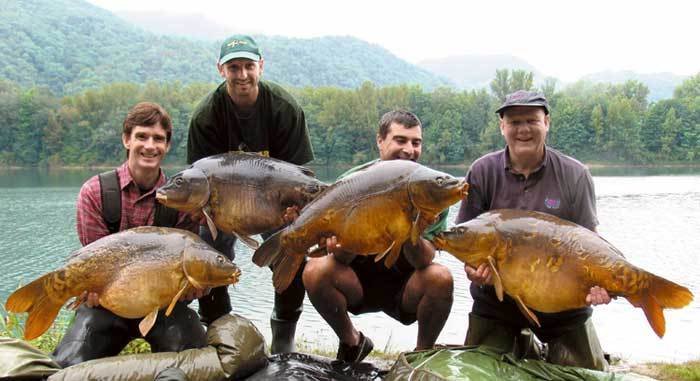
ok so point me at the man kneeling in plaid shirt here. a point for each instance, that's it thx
(120, 200)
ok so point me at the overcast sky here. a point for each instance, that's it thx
(565, 39)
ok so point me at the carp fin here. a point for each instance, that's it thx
(270, 249)
(248, 241)
(382, 255)
(660, 294)
(526, 311)
(33, 299)
(177, 297)
(415, 230)
(284, 270)
(393, 256)
(210, 222)
(497, 282)
(147, 323)
(654, 313)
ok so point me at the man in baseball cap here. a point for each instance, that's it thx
(524, 98)
(247, 113)
(529, 175)
(239, 46)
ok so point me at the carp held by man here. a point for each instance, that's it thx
(241, 193)
(549, 264)
(136, 273)
(371, 212)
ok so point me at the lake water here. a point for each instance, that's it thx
(653, 219)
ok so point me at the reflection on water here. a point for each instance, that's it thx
(654, 220)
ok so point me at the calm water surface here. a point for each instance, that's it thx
(653, 219)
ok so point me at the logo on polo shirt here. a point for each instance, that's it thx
(552, 203)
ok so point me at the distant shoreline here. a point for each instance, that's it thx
(452, 166)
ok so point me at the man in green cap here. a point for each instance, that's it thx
(245, 113)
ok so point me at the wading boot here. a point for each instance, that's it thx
(282, 335)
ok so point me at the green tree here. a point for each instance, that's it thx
(690, 88)
(549, 87)
(671, 129)
(508, 81)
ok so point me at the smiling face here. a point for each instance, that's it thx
(401, 142)
(525, 131)
(242, 77)
(147, 146)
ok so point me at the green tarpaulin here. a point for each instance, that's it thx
(485, 364)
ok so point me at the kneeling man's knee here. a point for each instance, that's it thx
(439, 277)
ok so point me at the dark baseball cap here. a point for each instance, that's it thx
(524, 98)
(239, 46)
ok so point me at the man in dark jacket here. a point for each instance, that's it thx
(245, 113)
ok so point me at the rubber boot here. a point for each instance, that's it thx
(579, 347)
(282, 336)
(528, 347)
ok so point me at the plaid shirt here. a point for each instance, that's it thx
(137, 209)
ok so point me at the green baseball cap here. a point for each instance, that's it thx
(239, 46)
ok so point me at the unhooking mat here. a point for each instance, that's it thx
(236, 349)
(19, 360)
(303, 367)
(484, 364)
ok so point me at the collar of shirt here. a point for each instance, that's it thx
(508, 167)
(125, 180)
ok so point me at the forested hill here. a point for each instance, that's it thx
(661, 85)
(72, 45)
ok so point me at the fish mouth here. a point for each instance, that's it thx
(233, 278)
(438, 242)
(161, 197)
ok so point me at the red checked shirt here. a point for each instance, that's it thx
(138, 209)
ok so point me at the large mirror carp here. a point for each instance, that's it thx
(549, 265)
(136, 273)
(371, 212)
(241, 193)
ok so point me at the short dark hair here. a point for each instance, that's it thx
(398, 116)
(148, 114)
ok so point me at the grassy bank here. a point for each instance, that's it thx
(11, 325)
(687, 371)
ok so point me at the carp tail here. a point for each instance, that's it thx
(269, 250)
(285, 270)
(669, 294)
(33, 299)
(660, 294)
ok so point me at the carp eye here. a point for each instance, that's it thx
(179, 181)
(220, 258)
(440, 180)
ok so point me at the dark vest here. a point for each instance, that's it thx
(110, 194)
